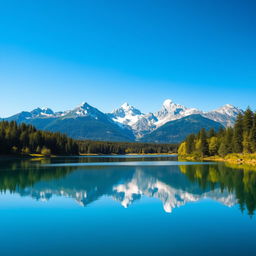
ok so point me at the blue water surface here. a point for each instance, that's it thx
(49, 207)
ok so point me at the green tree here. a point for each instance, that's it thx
(204, 147)
(190, 144)
(213, 146)
(248, 120)
(253, 135)
(238, 135)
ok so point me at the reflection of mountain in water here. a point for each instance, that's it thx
(170, 194)
(126, 185)
(173, 185)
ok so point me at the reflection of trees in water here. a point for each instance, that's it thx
(17, 176)
(113, 159)
(241, 182)
(22, 174)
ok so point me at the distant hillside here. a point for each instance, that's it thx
(177, 130)
(127, 123)
(90, 128)
(84, 122)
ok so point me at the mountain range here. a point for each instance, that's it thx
(171, 124)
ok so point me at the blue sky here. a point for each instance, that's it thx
(60, 53)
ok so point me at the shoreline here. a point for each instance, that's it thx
(233, 158)
(83, 154)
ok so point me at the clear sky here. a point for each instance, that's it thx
(59, 53)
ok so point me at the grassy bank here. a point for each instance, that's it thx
(236, 159)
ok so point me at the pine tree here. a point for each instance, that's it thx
(253, 139)
(223, 151)
(228, 140)
(213, 146)
(211, 133)
(253, 135)
(238, 135)
(204, 147)
(190, 144)
(248, 120)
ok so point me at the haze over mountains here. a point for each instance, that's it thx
(128, 123)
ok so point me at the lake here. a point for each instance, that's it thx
(125, 205)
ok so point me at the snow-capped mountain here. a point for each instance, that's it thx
(82, 122)
(225, 115)
(124, 123)
(126, 114)
(171, 111)
(130, 116)
(41, 112)
(84, 110)
(143, 124)
(35, 113)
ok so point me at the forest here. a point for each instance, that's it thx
(103, 147)
(26, 139)
(238, 139)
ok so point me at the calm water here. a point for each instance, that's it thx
(125, 206)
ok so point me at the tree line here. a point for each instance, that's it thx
(238, 139)
(26, 139)
(106, 147)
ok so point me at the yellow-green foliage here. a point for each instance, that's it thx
(241, 138)
(14, 149)
(213, 145)
(25, 150)
(198, 145)
(46, 151)
(182, 149)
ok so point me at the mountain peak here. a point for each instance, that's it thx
(45, 108)
(171, 106)
(171, 111)
(83, 105)
(225, 115)
(167, 103)
(125, 105)
(228, 109)
(227, 106)
(126, 114)
(44, 111)
(126, 108)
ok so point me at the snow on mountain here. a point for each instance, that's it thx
(132, 119)
(42, 112)
(34, 114)
(126, 114)
(225, 115)
(84, 110)
(130, 116)
(142, 124)
(171, 111)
